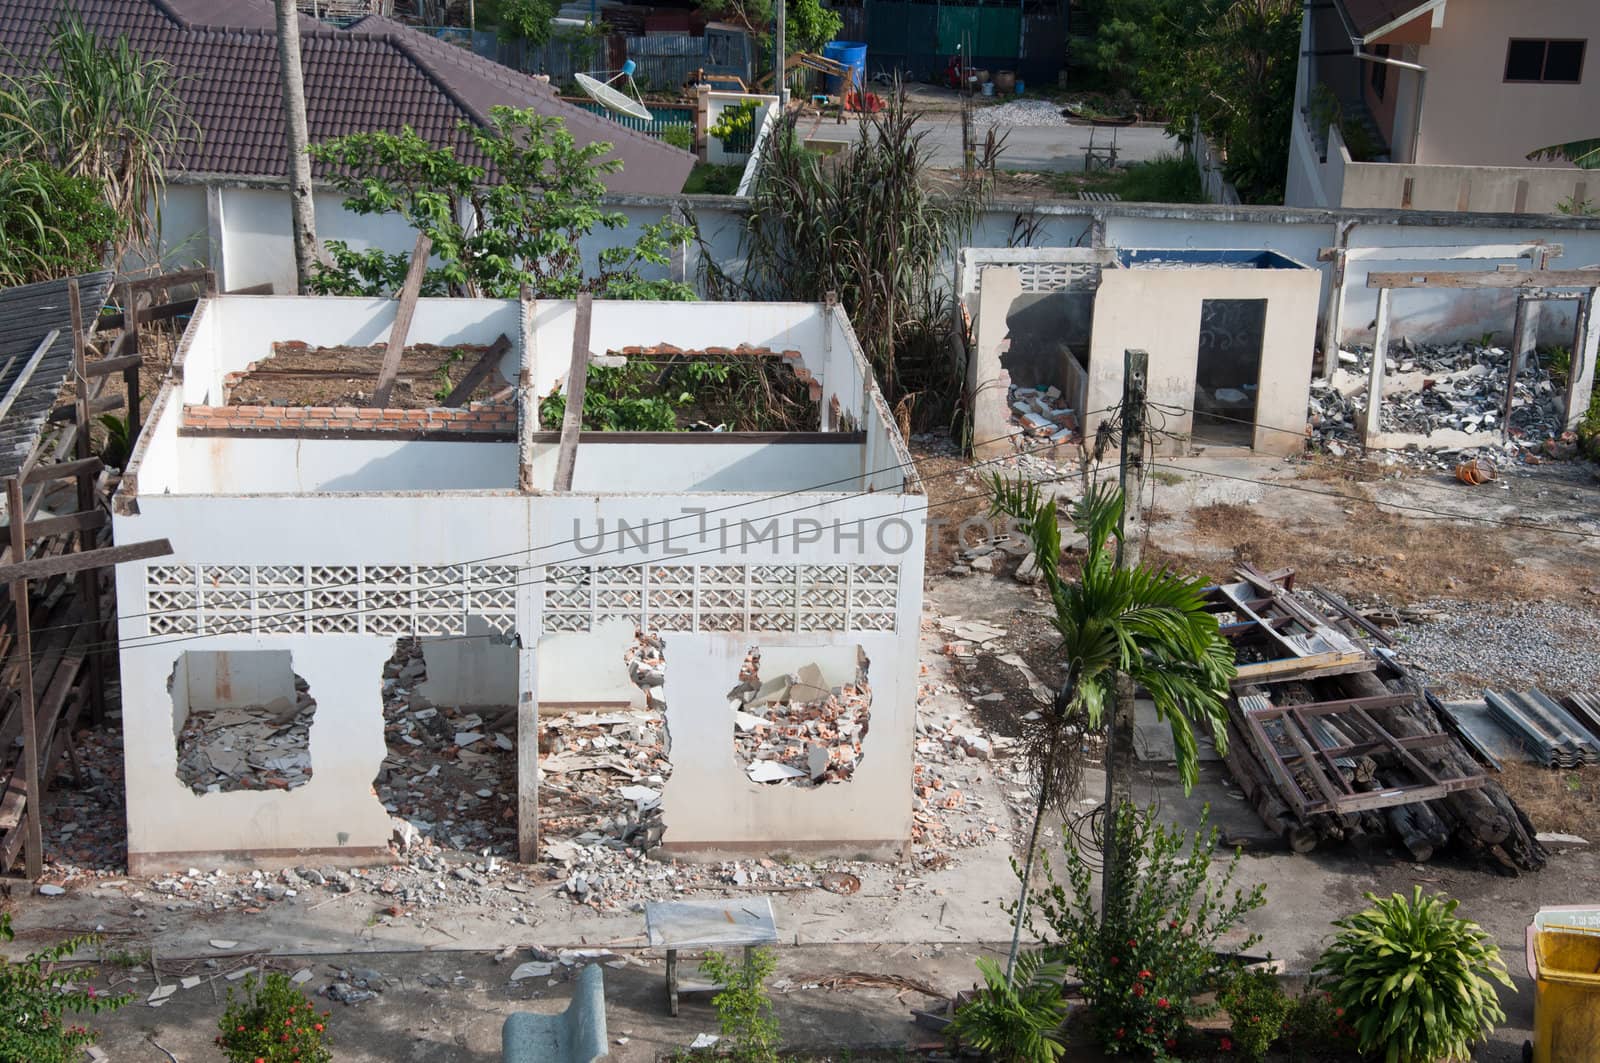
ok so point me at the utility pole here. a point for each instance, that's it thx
(782, 56)
(1119, 730)
(301, 205)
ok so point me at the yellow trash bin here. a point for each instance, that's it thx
(1564, 962)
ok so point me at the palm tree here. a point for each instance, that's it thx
(1149, 624)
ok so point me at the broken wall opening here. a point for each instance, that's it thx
(241, 720)
(800, 716)
(450, 723)
(1228, 370)
(602, 769)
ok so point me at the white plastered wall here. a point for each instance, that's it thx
(1123, 320)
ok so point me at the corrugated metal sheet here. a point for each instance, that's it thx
(27, 314)
(1548, 731)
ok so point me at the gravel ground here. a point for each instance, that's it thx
(1021, 113)
(1512, 646)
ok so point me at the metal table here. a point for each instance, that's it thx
(672, 925)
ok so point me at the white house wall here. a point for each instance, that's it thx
(218, 464)
(703, 466)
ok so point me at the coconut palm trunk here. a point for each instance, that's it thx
(301, 204)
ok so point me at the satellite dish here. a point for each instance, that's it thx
(606, 95)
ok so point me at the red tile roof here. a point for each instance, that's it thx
(377, 74)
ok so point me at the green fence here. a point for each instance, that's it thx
(661, 118)
(918, 39)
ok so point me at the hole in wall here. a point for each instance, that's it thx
(1228, 370)
(241, 720)
(805, 723)
(450, 723)
(602, 770)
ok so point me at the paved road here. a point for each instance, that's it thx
(1055, 148)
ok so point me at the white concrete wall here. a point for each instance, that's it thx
(248, 465)
(604, 468)
(1122, 320)
(480, 670)
(1481, 189)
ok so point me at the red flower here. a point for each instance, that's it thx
(1149, 1029)
(1138, 990)
(1120, 1032)
(1171, 1042)
(319, 1027)
(1162, 1003)
(1338, 1013)
(1173, 924)
(1115, 961)
(1144, 974)
(1225, 1044)
(239, 1030)
(1132, 944)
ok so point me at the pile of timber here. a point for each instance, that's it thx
(1333, 743)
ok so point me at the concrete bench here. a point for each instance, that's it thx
(577, 1035)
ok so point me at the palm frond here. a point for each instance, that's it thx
(1584, 154)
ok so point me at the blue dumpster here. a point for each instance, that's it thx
(851, 54)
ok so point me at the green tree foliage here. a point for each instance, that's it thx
(744, 1010)
(516, 220)
(100, 112)
(52, 224)
(36, 997)
(1017, 1019)
(1229, 63)
(1414, 978)
(809, 25)
(522, 20)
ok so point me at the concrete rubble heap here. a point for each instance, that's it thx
(1041, 414)
(255, 747)
(1431, 387)
(794, 731)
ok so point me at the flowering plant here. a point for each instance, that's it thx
(35, 999)
(272, 1022)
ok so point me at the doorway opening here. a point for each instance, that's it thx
(1228, 370)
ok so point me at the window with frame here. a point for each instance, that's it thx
(1380, 71)
(1545, 61)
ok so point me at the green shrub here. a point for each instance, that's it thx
(272, 1022)
(1414, 978)
(1143, 963)
(1316, 1028)
(52, 224)
(679, 136)
(35, 999)
(1257, 1007)
(744, 1011)
(736, 121)
(1017, 1021)
(1166, 179)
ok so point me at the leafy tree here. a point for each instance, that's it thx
(1146, 623)
(524, 20)
(809, 25)
(99, 112)
(516, 219)
(36, 997)
(52, 224)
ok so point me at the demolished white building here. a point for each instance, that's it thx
(308, 541)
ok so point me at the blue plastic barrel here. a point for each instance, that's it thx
(851, 54)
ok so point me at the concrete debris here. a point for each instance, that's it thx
(815, 732)
(51, 890)
(1025, 112)
(1042, 413)
(1454, 392)
(255, 747)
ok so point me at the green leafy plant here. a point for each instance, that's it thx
(1316, 1027)
(744, 1010)
(1415, 978)
(524, 20)
(1257, 1007)
(1016, 1019)
(809, 25)
(114, 452)
(679, 136)
(36, 998)
(100, 112)
(535, 197)
(736, 123)
(271, 1021)
(1145, 958)
(52, 224)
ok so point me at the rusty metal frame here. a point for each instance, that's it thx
(1310, 759)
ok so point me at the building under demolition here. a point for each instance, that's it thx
(331, 525)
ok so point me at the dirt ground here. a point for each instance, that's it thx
(298, 375)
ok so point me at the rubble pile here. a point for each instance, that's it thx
(254, 747)
(1435, 387)
(449, 773)
(794, 730)
(1041, 416)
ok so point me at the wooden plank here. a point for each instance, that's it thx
(577, 386)
(107, 366)
(1349, 612)
(39, 568)
(28, 368)
(402, 320)
(1488, 278)
(63, 470)
(1372, 417)
(479, 372)
(72, 522)
(197, 275)
(34, 842)
(69, 414)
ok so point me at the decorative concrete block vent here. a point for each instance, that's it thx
(794, 729)
(243, 721)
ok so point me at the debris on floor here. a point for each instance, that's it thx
(1429, 388)
(253, 747)
(794, 729)
(1042, 414)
